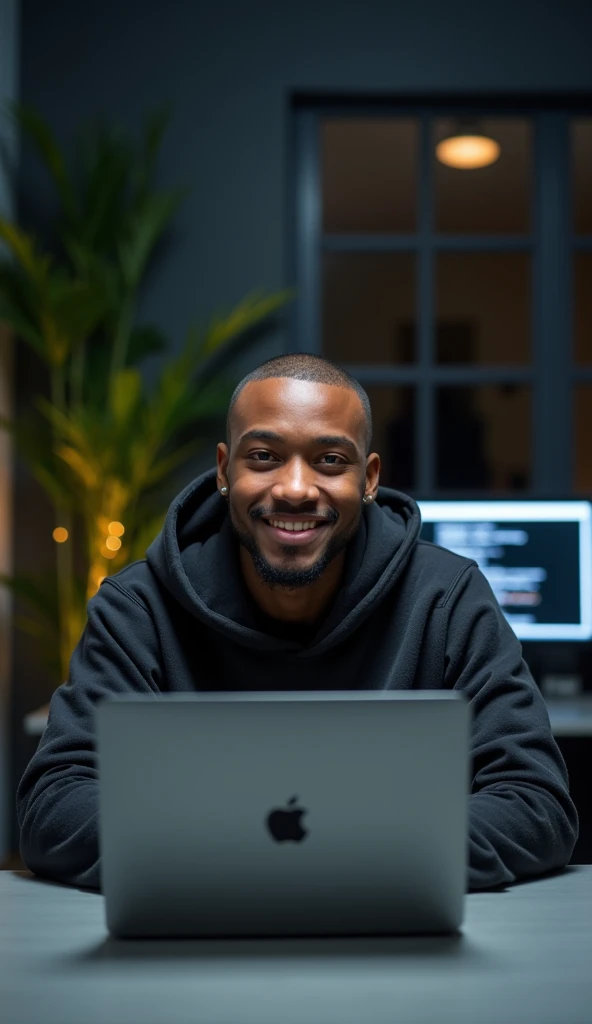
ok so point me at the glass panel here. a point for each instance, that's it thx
(487, 200)
(483, 303)
(583, 425)
(369, 307)
(393, 416)
(582, 175)
(369, 175)
(483, 438)
(583, 306)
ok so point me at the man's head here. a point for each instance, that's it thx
(296, 466)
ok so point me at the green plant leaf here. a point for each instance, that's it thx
(126, 391)
(250, 311)
(38, 593)
(78, 310)
(146, 228)
(52, 483)
(44, 141)
(145, 341)
(165, 465)
(18, 322)
(144, 534)
(23, 249)
(46, 644)
(107, 163)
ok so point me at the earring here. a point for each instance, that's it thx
(224, 491)
(367, 499)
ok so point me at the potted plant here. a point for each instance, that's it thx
(103, 445)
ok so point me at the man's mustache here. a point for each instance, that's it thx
(260, 512)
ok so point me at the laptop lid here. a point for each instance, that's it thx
(283, 813)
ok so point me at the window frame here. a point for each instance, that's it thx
(552, 372)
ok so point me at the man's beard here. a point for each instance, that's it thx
(291, 579)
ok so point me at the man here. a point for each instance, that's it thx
(288, 569)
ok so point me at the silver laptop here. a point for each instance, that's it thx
(260, 814)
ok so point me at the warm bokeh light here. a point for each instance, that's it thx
(467, 152)
(116, 529)
(113, 543)
(106, 552)
(60, 534)
(100, 580)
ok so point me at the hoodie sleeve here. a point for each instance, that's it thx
(58, 796)
(522, 821)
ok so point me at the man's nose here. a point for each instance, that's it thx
(295, 483)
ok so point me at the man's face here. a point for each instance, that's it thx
(296, 473)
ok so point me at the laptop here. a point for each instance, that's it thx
(293, 814)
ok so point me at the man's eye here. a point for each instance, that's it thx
(261, 456)
(334, 460)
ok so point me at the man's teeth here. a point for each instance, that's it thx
(296, 527)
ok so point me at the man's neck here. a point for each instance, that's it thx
(307, 605)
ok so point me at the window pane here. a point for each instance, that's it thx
(369, 307)
(582, 175)
(369, 175)
(583, 306)
(494, 199)
(483, 305)
(583, 425)
(393, 417)
(483, 438)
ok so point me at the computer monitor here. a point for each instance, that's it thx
(537, 556)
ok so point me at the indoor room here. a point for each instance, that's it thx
(295, 511)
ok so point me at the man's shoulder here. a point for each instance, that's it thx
(441, 564)
(136, 581)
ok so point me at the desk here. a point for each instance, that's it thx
(570, 716)
(524, 957)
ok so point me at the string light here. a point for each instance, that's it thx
(60, 534)
(113, 543)
(116, 529)
(107, 552)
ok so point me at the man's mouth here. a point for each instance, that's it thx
(295, 531)
(297, 526)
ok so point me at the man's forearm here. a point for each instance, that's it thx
(59, 832)
(517, 831)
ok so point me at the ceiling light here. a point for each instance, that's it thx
(467, 148)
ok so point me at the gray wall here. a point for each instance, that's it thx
(8, 82)
(230, 69)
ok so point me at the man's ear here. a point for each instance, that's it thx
(372, 474)
(222, 458)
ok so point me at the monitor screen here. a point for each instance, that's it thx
(537, 556)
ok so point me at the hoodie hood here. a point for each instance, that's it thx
(195, 558)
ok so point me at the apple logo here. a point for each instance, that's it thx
(285, 824)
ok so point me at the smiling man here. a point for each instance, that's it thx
(288, 568)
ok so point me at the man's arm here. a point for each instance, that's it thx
(522, 819)
(58, 795)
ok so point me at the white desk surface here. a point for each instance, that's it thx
(524, 957)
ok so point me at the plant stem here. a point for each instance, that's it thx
(64, 554)
(122, 333)
(77, 374)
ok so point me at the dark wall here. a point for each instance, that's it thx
(230, 69)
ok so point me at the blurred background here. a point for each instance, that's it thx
(188, 189)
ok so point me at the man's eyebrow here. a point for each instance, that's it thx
(337, 440)
(260, 435)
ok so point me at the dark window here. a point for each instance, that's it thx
(460, 298)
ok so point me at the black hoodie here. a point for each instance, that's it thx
(409, 615)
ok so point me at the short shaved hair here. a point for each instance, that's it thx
(306, 366)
